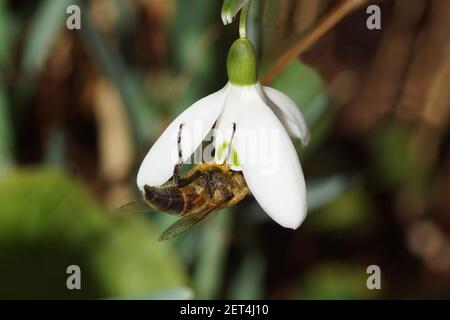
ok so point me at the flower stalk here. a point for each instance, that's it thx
(243, 21)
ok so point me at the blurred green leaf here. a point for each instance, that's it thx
(140, 110)
(270, 26)
(4, 36)
(55, 154)
(303, 85)
(132, 261)
(194, 20)
(6, 133)
(248, 282)
(47, 223)
(321, 192)
(170, 294)
(350, 209)
(393, 160)
(6, 141)
(187, 245)
(320, 131)
(208, 274)
(45, 26)
(335, 281)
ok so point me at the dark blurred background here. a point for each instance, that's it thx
(79, 109)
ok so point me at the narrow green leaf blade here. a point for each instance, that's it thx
(48, 21)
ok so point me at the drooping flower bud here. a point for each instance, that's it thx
(231, 8)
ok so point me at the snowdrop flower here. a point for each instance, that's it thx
(262, 118)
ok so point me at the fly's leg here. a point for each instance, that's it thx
(176, 169)
(231, 140)
(177, 180)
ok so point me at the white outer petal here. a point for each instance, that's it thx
(270, 163)
(197, 120)
(291, 116)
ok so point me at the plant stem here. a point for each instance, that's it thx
(243, 21)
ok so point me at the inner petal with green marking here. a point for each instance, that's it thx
(235, 159)
(222, 149)
(234, 156)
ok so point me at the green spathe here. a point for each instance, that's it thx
(241, 63)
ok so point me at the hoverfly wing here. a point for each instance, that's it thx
(181, 226)
(136, 206)
(185, 223)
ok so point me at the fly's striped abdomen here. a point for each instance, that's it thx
(172, 199)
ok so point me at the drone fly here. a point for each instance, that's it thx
(206, 188)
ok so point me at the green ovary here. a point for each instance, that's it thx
(241, 63)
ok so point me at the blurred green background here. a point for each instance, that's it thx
(79, 109)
